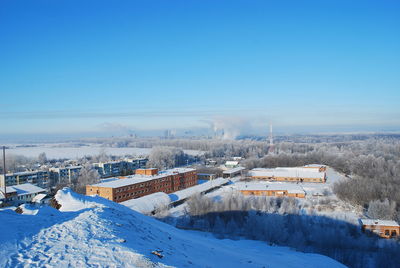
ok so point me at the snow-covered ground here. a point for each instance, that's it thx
(57, 151)
(94, 232)
(328, 204)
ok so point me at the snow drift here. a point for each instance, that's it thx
(92, 231)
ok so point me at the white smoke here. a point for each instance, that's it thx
(229, 128)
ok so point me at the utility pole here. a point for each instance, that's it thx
(4, 172)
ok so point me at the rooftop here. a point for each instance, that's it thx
(116, 183)
(295, 172)
(23, 189)
(233, 170)
(180, 170)
(291, 188)
(379, 222)
(24, 173)
(138, 178)
(315, 165)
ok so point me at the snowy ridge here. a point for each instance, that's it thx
(94, 232)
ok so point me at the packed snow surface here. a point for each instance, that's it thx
(94, 232)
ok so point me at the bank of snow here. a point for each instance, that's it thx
(92, 231)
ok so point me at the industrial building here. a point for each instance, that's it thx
(382, 228)
(145, 182)
(271, 189)
(289, 174)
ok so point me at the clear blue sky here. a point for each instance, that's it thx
(91, 66)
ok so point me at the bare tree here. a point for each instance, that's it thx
(383, 210)
(88, 175)
(42, 158)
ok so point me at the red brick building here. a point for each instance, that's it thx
(146, 182)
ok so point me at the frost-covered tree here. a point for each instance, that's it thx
(87, 175)
(42, 158)
(167, 157)
(383, 210)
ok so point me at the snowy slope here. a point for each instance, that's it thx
(91, 231)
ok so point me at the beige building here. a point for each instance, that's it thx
(382, 228)
(271, 189)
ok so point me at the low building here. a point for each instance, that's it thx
(321, 168)
(65, 174)
(22, 193)
(129, 187)
(210, 162)
(37, 177)
(230, 173)
(382, 228)
(231, 164)
(206, 176)
(278, 190)
(289, 174)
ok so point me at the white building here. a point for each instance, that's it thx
(22, 193)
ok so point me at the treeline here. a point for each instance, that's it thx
(163, 157)
(281, 221)
(19, 163)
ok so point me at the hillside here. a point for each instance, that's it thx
(91, 231)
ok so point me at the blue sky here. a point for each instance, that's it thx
(100, 66)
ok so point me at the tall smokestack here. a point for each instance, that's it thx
(271, 148)
(271, 141)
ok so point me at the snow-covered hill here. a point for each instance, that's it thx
(94, 232)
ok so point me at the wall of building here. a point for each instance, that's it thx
(290, 179)
(147, 171)
(383, 231)
(278, 193)
(167, 184)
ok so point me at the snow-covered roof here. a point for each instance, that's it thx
(315, 165)
(24, 173)
(181, 170)
(22, 189)
(148, 203)
(27, 188)
(138, 178)
(379, 222)
(231, 163)
(68, 167)
(73, 167)
(183, 194)
(233, 170)
(295, 172)
(39, 198)
(116, 183)
(254, 186)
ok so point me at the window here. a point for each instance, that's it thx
(386, 232)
